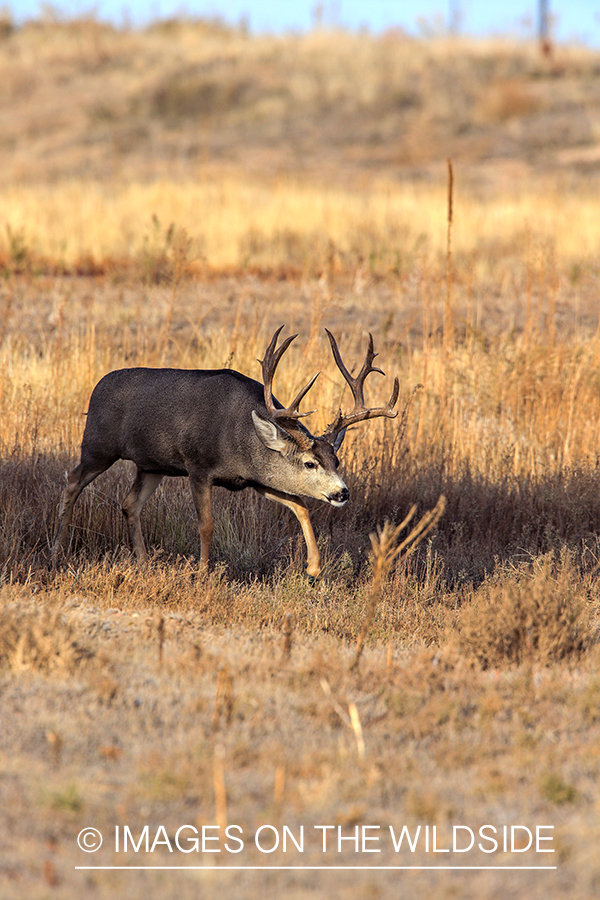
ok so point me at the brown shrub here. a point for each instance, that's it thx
(537, 615)
(39, 638)
(507, 99)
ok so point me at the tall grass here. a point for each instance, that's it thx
(515, 403)
(506, 426)
(286, 223)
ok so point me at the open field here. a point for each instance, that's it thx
(159, 695)
(477, 693)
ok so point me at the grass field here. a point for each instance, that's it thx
(452, 687)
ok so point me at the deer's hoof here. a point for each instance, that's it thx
(312, 579)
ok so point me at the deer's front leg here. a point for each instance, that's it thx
(300, 510)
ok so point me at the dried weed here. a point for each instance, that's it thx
(538, 615)
(38, 637)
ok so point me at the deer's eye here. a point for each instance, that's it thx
(309, 464)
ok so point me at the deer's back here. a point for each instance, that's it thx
(172, 420)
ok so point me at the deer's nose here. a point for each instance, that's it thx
(340, 496)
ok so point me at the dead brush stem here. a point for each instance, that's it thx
(448, 315)
(223, 698)
(288, 635)
(181, 247)
(160, 634)
(385, 550)
(220, 789)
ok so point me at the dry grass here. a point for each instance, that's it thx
(286, 225)
(299, 152)
(539, 615)
(161, 695)
(233, 696)
(186, 96)
(207, 733)
(37, 638)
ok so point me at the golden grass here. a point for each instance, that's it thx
(236, 222)
(478, 660)
(508, 404)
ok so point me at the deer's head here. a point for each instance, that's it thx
(307, 465)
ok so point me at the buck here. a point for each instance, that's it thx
(220, 428)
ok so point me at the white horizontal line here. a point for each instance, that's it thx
(319, 868)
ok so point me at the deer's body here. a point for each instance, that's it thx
(218, 427)
(177, 422)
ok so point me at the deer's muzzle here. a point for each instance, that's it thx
(340, 497)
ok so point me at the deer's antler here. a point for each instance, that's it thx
(272, 356)
(360, 411)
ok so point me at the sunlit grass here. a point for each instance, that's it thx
(235, 222)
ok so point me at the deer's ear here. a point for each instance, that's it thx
(269, 433)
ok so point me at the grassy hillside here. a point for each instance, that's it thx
(286, 152)
(181, 96)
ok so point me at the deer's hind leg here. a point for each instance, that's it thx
(77, 480)
(141, 490)
(202, 501)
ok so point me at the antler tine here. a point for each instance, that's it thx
(269, 364)
(360, 412)
(357, 383)
(296, 401)
(272, 355)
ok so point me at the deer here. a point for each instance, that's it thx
(220, 428)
